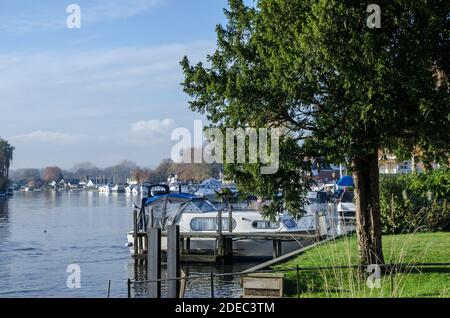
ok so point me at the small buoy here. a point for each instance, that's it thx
(44, 231)
(129, 244)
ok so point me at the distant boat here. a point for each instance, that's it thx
(104, 189)
(208, 189)
(118, 188)
(131, 190)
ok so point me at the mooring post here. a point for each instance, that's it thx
(135, 232)
(154, 262)
(228, 250)
(188, 245)
(173, 261)
(316, 216)
(219, 240)
(129, 287)
(230, 218)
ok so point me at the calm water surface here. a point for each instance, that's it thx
(41, 233)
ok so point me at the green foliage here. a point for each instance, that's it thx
(415, 202)
(339, 89)
(412, 281)
(6, 156)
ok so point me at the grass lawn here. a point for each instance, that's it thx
(412, 281)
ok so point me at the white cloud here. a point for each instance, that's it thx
(153, 126)
(53, 137)
(47, 136)
(117, 9)
(38, 18)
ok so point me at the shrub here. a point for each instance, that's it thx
(415, 202)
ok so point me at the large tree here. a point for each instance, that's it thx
(6, 156)
(341, 90)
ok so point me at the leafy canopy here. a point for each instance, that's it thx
(339, 89)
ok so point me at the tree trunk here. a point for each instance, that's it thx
(368, 223)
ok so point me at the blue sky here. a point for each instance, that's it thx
(105, 92)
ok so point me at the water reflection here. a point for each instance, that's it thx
(199, 285)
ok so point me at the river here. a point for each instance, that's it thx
(43, 233)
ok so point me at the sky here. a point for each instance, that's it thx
(105, 92)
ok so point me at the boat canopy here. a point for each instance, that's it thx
(170, 196)
(167, 209)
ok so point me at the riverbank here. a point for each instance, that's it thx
(412, 281)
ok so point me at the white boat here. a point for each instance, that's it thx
(118, 188)
(208, 189)
(104, 189)
(131, 190)
(198, 215)
(346, 209)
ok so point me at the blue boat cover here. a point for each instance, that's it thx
(345, 181)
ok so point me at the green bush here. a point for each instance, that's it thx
(415, 202)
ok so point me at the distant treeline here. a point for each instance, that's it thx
(118, 173)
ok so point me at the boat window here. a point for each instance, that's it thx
(289, 223)
(317, 197)
(203, 205)
(209, 224)
(199, 206)
(347, 197)
(261, 224)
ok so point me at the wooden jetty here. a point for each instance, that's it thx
(223, 250)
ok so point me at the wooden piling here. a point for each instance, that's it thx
(219, 240)
(317, 225)
(188, 245)
(277, 248)
(154, 262)
(230, 218)
(135, 233)
(173, 261)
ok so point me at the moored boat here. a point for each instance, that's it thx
(198, 215)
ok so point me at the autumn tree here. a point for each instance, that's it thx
(52, 174)
(142, 175)
(340, 89)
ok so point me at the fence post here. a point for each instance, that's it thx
(173, 261)
(212, 285)
(109, 287)
(298, 283)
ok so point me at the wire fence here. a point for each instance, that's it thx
(390, 269)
